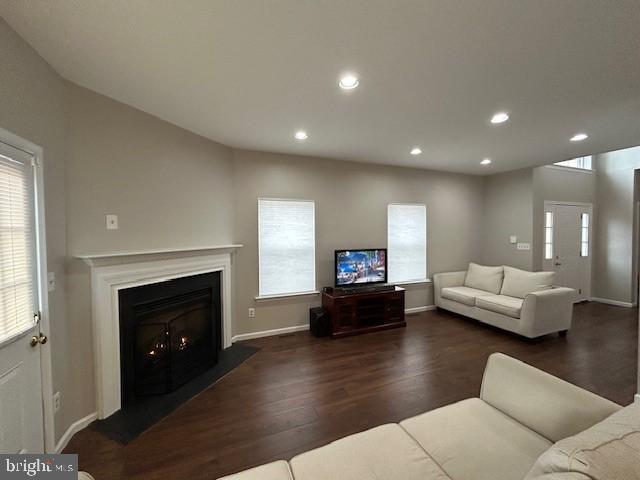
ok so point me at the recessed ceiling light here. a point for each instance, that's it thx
(416, 151)
(578, 137)
(349, 82)
(500, 117)
(301, 135)
(485, 161)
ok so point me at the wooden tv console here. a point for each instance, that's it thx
(355, 313)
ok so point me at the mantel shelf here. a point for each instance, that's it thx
(108, 258)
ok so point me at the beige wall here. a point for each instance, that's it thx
(33, 104)
(170, 189)
(351, 207)
(614, 223)
(508, 210)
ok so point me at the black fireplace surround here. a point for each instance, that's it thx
(170, 332)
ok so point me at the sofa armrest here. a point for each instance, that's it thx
(546, 404)
(444, 280)
(547, 311)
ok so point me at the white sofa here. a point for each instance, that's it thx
(526, 424)
(522, 302)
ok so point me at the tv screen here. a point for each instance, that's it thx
(361, 267)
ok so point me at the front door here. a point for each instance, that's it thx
(567, 249)
(21, 410)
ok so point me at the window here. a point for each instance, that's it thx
(286, 246)
(582, 163)
(407, 242)
(548, 235)
(17, 243)
(584, 237)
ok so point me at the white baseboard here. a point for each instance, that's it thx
(617, 303)
(74, 428)
(269, 333)
(425, 308)
(302, 328)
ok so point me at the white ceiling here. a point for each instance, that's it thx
(249, 73)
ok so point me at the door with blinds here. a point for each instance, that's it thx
(21, 413)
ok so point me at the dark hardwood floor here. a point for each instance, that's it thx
(300, 392)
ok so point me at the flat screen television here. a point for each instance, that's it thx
(361, 267)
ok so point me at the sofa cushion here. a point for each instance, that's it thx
(608, 450)
(519, 283)
(471, 440)
(382, 453)
(464, 295)
(270, 471)
(484, 278)
(510, 306)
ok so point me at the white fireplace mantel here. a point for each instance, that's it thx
(112, 272)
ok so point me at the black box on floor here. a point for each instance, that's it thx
(319, 322)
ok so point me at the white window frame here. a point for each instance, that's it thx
(314, 291)
(550, 229)
(37, 153)
(566, 163)
(585, 243)
(425, 279)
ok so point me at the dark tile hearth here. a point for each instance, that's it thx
(141, 414)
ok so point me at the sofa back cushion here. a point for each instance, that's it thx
(484, 278)
(608, 450)
(518, 283)
(546, 404)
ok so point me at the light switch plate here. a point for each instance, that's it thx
(51, 281)
(513, 239)
(112, 222)
(523, 246)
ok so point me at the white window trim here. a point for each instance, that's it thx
(414, 282)
(571, 169)
(315, 280)
(426, 241)
(285, 295)
(43, 292)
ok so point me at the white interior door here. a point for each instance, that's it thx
(567, 249)
(21, 406)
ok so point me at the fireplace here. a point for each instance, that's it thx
(170, 332)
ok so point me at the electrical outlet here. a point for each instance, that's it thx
(112, 222)
(513, 239)
(57, 401)
(51, 281)
(252, 313)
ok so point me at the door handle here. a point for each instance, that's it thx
(557, 264)
(38, 339)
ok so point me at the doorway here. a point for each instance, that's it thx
(25, 368)
(567, 246)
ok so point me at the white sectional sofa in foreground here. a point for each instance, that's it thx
(526, 425)
(522, 302)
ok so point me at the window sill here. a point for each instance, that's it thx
(285, 295)
(413, 282)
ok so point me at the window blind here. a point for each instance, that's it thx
(407, 242)
(286, 246)
(17, 242)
